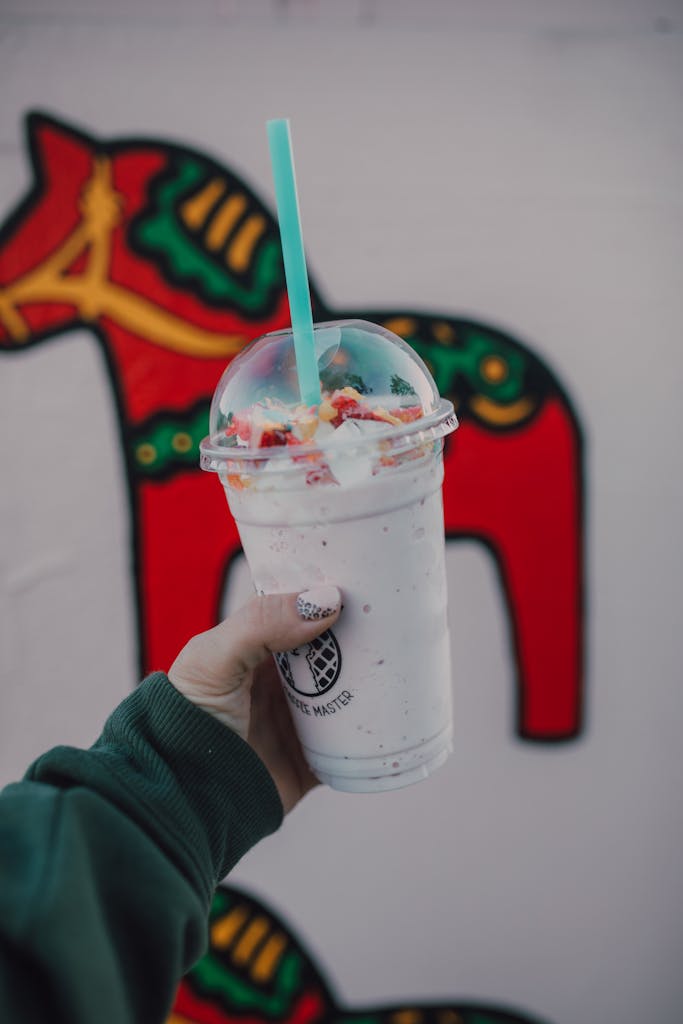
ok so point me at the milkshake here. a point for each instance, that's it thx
(348, 492)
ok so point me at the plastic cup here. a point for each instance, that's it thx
(356, 504)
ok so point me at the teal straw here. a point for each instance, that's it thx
(287, 202)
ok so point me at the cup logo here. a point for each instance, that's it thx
(323, 662)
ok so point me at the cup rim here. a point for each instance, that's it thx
(438, 424)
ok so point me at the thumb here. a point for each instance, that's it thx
(279, 622)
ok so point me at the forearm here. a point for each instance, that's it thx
(109, 858)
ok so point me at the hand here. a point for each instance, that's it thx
(229, 672)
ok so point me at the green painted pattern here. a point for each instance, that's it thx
(467, 362)
(215, 979)
(170, 442)
(162, 232)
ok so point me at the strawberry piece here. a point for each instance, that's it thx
(407, 414)
(349, 409)
(273, 438)
(242, 425)
(319, 475)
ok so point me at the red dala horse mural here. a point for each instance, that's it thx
(175, 265)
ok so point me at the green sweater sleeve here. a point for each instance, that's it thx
(109, 858)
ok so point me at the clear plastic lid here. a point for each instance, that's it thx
(368, 375)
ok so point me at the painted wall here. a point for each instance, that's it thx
(518, 163)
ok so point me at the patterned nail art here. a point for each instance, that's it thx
(318, 603)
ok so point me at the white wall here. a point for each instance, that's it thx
(515, 161)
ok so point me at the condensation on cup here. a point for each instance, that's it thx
(348, 493)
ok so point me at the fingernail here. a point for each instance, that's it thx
(318, 603)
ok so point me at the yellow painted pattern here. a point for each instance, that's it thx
(242, 246)
(248, 942)
(407, 1017)
(146, 454)
(93, 295)
(224, 221)
(195, 210)
(177, 1018)
(266, 962)
(17, 327)
(401, 325)
(443, 332)
(226, 928)
(501, 415)
(181, 442)
(494, 369)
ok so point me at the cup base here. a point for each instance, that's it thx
(375, 775)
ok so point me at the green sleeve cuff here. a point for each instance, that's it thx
(197, 788)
